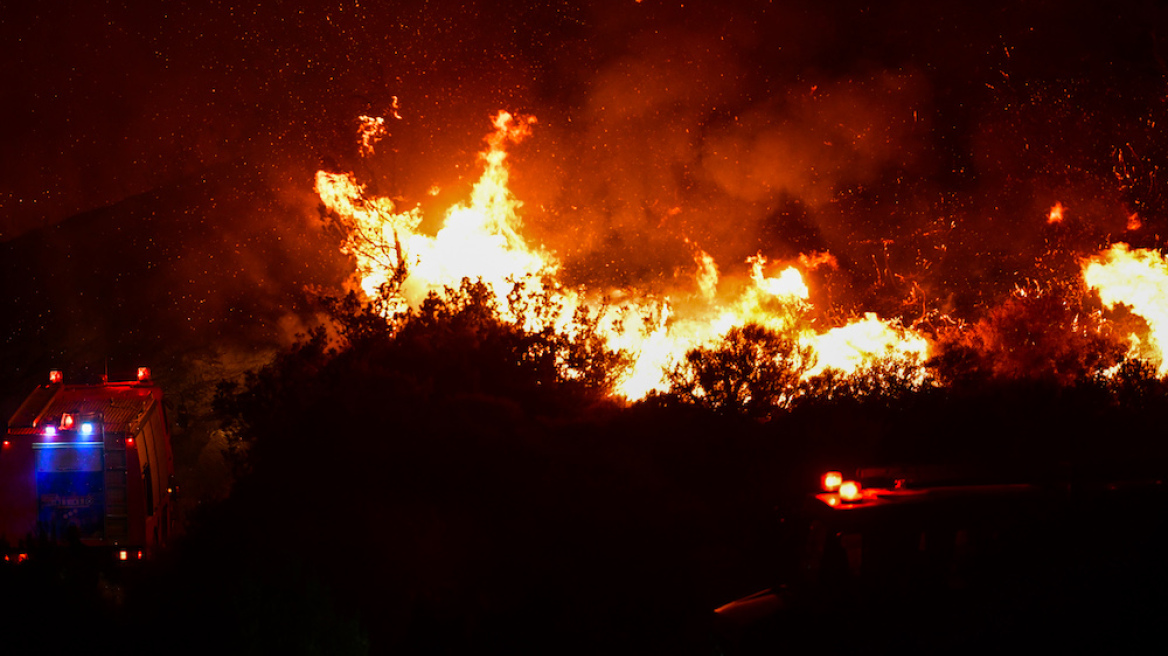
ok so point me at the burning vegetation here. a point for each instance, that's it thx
(754, 341)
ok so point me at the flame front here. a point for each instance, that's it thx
(850, 347)
(482, 240)
(1138, 279)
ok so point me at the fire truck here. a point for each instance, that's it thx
(937, 560)
(87, 464)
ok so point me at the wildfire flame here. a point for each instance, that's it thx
(849, 347)
(1138, 279)
(482, 239)
(479, 240)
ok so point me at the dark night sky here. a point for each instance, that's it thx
(915, 141)
(104, 101)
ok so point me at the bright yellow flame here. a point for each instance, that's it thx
(477, 240)
(788, 284)
(1139, 279)
(849, 347)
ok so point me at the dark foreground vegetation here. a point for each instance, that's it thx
(438, 485)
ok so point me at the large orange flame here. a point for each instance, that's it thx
(1138, 279)
(482, 239)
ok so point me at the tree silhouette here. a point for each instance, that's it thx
(753, 370)
(453, 471)
(884, 380)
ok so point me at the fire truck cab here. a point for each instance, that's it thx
(88, 464)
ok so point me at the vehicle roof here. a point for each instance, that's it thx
(121, 405)
(877, 497)
(880, 505)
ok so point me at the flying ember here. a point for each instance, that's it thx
(482, 239)
(1056, 213)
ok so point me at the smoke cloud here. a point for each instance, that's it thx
(921, 145)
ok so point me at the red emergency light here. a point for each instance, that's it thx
(55, 376)
(143, 374)
(126, 554)
(129, 442)
(66, 421)
(7, 443)
(831, 481)
(849, 492)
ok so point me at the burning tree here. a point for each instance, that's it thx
(634, 341)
